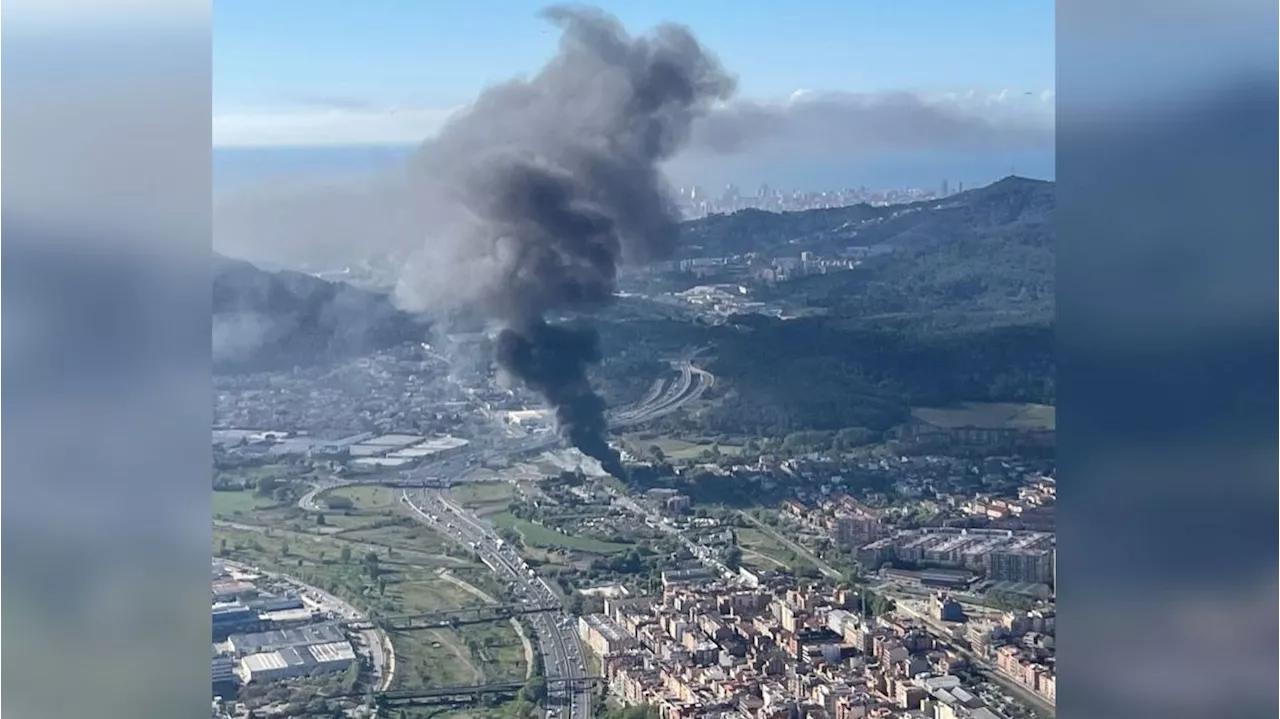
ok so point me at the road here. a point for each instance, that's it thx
(380, 656)
(691, 383)
(826, 569)
(428, 558)
(311, 500)
(986, 668)
(660, 523)
(556, 632)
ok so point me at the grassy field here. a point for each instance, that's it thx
(369, 498)
(411, 538)
(989, 415)
(677, 449)
(485, 497)
(232, 505)
(761, 551)
(540, 536)
(411, 584)
(372, 504)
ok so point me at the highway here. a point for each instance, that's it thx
(688, 386)
(556, 632)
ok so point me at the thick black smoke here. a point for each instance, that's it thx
(552, 360)
(540, 190)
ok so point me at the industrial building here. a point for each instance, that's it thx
(281, 638)
(296, 661)
(397, 450)
(274, 604)
(224, 677)
(229, 590)
(232, 617)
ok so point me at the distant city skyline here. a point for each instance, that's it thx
(831, 94)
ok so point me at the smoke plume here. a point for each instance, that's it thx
(534, 195)
(853, 125)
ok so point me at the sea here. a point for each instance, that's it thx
(238, 167)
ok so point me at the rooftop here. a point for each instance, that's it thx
(333, 652)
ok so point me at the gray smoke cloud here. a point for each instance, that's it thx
(524, 204)
(529, 200)
(855, 124)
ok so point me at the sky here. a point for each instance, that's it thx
(336, 72)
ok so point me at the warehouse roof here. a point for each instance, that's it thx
(333, 652)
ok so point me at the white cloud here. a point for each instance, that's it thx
(325, 126)
(329, 122)
(800, 94)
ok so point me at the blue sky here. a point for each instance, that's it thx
(278, 62)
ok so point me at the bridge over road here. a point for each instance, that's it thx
(471, 693)
(480, 614)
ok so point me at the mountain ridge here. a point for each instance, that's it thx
(265, 320)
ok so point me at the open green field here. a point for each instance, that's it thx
(678, 449)
(368, 497)
(410, 583)
(231, 505)
(989, 415)
(540, 536)
(761, 551)
(484, 497)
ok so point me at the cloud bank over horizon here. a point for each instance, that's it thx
(806, 121)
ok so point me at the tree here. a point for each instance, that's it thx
(222, 546)
(320, 520)
(851, 437)
(284, 549)
(371, 564)
(733, 557)
(535, 689)
(266, 486)
(345, 554)
(876, 604)
(351, 677)
(657, 452)
(338, 502)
